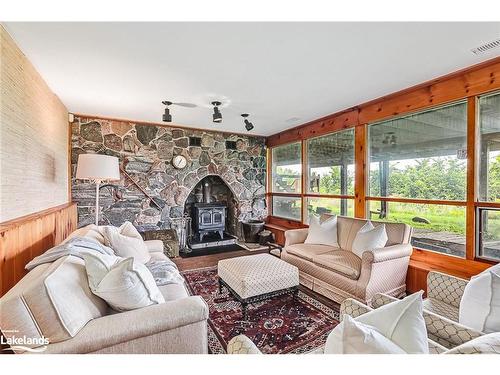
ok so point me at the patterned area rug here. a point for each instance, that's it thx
(278, 325)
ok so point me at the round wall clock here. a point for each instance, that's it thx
(179, 162)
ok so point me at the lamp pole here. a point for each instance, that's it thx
(97, 183)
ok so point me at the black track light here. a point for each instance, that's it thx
(248, 124)
(217, 116)
(167, 117)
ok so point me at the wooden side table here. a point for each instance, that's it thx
(168, 237)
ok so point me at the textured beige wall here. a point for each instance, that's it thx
(33, 138)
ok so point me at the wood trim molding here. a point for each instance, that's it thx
(418, 201)
(26, 237)
(475, 80)
(332, 123)
(472, 133)
(360, 176)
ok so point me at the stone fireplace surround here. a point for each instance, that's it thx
(145, 152)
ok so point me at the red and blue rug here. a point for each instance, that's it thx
(278, 325)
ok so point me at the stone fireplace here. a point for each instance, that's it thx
(151, 191)
(220, 193)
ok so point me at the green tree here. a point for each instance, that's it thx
(494, 179)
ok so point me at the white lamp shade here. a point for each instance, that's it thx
(97, 167)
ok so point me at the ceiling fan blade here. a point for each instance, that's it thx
(187, 105)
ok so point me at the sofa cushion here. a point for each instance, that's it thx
(53, 299)
(369, 238)
(400, 321)
(89, 231)
(158, 256)
(307, 251)
(172, 292)
(348, 227)
(480, 303)
(344, 262)
(126, 242)
(322, 233)
(124, 284)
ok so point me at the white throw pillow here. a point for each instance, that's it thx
(480, 303)
(369, 238)
(359, 338)
(324, 233)
(98, 267)
(127, 284)
(400, 321)
(126, 242)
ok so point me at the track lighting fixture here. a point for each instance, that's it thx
(217, 116)
(248, 124)
(167, 117)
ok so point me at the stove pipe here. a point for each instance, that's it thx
(207, 192)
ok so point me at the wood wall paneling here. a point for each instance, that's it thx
(475, 80)
(472, 81)
(343, 120)
(24, 238)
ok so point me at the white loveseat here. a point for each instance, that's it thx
(338, 273)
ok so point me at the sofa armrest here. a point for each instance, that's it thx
(154, 246)
(353, 308)
(241, 344)
(445, 288)
(387, 253)
(381, 299)
(118, 328)
(447, 332)
(294, 236)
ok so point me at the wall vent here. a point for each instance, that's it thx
(195, 141)
(231, 145)
(486, 47)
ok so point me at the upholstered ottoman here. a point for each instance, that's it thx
(254, 278)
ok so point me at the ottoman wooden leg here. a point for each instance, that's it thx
(244, 308)
(220, 286)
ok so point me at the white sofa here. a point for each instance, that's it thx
(54, 301)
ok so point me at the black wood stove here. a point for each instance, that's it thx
(208, 218)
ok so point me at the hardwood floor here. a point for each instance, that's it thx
(203, 261)
(211, 260)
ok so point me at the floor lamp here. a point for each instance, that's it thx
(97, 168)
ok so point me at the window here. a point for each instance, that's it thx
(489, 146)
(423, 155)
(414, 160)
(489, 233)
(318, 206)
(330, 164)
(439, 228)
(287, 207)
(287, 168)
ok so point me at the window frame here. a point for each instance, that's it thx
(479, 231)
(360, 121)
(301, 179)
(461, 202)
